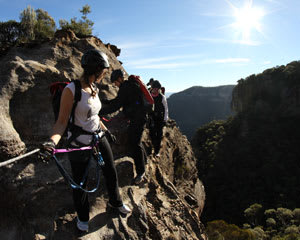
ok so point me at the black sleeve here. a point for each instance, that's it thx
(114, 104)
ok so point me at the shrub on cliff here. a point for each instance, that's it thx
(10, 32)
(219, 229)
(82, 27)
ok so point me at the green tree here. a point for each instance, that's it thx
(10, 32)
(86, 9)
(221, 230)
(284, 216)
(82, 27)
(254, 214)
(28, 22)
(45, 25)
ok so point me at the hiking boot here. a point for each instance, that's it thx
(139, 178)
(82, 226)
(124, 209)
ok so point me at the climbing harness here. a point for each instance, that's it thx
(96, 156)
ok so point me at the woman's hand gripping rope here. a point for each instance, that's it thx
(47, 149)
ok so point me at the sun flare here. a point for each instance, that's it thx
(248, 19)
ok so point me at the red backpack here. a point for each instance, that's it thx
(148, 99)
(56, 90)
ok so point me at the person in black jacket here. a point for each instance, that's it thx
(159, 117)
(130, 97)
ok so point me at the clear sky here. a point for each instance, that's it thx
(185, 43)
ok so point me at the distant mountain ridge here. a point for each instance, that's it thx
(198, 105)
(253, 157)
(168, 94)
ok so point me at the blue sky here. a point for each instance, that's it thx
(185, 43)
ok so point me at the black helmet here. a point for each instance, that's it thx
(116, 74)
(93, 60)
(150, 81)
(156, 84)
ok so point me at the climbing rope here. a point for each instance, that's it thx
(2, 164)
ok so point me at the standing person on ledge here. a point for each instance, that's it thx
(130, 97)
(86, 118)
(159, 117)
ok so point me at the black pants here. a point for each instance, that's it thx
(79, 161)
(137, 151)
(156, 133)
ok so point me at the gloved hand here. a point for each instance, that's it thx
(46, 149)
(110, 137)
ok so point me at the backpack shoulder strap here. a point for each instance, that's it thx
(77, 97)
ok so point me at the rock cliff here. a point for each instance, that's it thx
(275, 90)
(36, 202)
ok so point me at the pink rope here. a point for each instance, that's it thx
(65, 150)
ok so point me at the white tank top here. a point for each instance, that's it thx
(86, 114)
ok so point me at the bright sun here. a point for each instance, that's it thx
(247, 19)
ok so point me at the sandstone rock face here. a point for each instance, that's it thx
(34, 196)
(166, 205)
(26, 74)
(114, 49)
